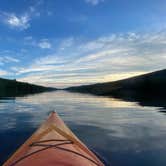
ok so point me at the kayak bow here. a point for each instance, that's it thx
(53, 144)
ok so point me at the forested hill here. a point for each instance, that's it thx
(151, 84)
(11, 88)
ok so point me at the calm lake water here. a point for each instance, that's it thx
(124, 133)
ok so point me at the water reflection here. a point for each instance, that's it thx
(125, 133)
(77, 97)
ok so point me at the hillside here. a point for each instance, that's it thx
(141, 88)
(13, 88)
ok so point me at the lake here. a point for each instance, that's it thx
(123, 133)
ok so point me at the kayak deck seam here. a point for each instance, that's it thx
(56, 146)
(37, 151)
(46, 128)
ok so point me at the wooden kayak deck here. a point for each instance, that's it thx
(53, 144)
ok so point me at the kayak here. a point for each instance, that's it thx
(53, 144)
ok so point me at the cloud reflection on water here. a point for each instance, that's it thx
(116, 129)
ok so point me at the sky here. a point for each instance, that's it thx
(63, 43)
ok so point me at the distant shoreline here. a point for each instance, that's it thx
(147, 89)
(13, 88)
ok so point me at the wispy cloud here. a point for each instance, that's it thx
(104, 59)
(8, 59)
(94, 2)
(11, 59)
(20, 21)
(16, 21)
(44, 44)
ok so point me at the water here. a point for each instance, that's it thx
(124, 133)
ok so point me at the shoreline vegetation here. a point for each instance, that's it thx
(147, 89)
(13, 88)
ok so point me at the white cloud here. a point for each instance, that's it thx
(20, 21)
(44, 44)
(105, 53)
(50, 60)
(15, 21)
(8, 59)
(104, 59)
(94, 2)
(11, 59)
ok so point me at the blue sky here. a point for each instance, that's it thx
(71, 42)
